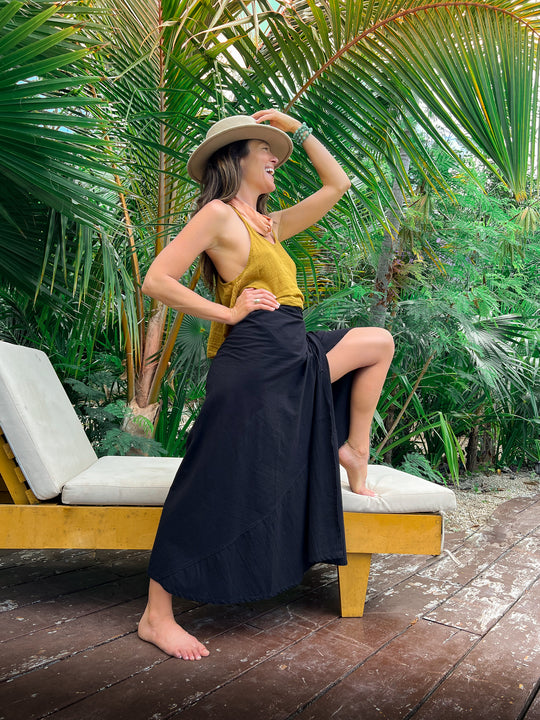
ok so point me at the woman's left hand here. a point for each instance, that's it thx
(277, 119)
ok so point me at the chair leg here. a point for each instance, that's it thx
(353, 582)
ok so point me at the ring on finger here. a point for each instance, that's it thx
(257, 300)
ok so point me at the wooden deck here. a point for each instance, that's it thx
(438, 640)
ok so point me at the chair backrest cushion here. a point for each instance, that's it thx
(39, 421)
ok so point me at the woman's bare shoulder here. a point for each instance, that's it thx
(215, 211)
(219, 222)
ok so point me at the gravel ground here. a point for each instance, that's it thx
(478, 496)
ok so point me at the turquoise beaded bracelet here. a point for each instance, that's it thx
(301, 135)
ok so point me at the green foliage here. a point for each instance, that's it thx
(480, 318)
(417, 464)
(87, 360)
(182, 400)
(183, 389)
(128, 89)
(51, 152)
(102, 412)
(331, 312)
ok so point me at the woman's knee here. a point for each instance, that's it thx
(375, 338)
(360, 348)
(386, 340)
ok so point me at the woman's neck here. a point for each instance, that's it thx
(248, 196)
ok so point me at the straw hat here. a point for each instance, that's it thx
(238, 127)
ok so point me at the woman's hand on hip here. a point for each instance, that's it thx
(249, 300)
(277, 119)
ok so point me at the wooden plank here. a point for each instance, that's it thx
(391, 683)
(71, 608)
(36, 564)
(99, 681)
(412, 597)
(47, 564)
(11, 559)
(480, 603)
(55, 586)
(170, 686)
(507, 512)
(47, 646)
(290, 679)
(533, 712)
(389, 570)
(45, 690)
(14, 481)
(392, 533)
(57, 526)
(476, 553)
(499, 678)
(528, 519)
(77, 526)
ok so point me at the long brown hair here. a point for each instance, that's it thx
(221, 181)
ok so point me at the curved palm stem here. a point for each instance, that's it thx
(130, 360)
(395, 18)
(406, 403)
(131, 351)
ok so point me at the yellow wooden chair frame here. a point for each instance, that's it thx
(27, 523)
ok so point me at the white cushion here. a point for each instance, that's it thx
(397, 492)
(117, 480)
(39, 421)
(146, 481)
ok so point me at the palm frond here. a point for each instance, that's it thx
(482, 81)
(47, 146)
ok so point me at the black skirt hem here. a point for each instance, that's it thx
(251, 598)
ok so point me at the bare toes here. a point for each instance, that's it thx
(170, 637)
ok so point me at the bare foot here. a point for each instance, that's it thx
(168, 636)
(355, 463)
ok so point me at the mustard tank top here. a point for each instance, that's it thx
(269, 266)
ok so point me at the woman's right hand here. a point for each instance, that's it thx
(249, 300)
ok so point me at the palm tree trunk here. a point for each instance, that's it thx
(383, 276)
(472, 445)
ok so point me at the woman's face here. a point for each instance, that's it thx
(258, 166)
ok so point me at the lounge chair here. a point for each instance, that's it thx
(58, 494)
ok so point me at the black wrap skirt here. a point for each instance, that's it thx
(256, 500)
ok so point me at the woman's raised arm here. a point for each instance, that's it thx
(335, 181)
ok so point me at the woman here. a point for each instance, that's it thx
(257, 500)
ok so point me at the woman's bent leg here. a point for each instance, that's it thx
(159, 627)
(369, 352)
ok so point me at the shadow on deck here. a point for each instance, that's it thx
(445, 637)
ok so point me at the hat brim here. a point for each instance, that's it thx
(280, 144)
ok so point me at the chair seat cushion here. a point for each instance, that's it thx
(118, 480)
(136, 480)
(397, 492)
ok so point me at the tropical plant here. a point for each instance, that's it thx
(383, 70)
(51, 152)
(380, 82)
(465, 317)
